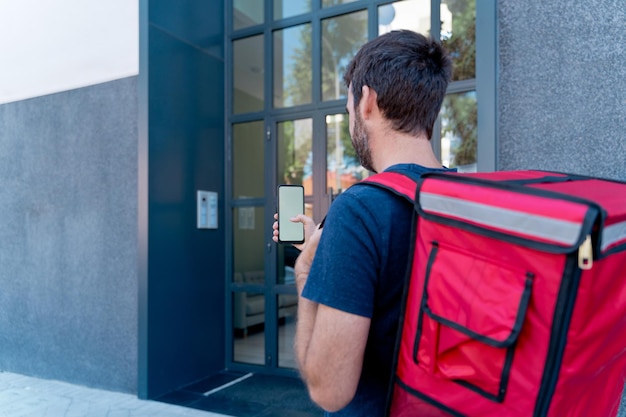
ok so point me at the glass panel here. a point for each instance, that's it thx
(409, 14)
(341, 38)
(342, 164)
(287, 255)
(292, 66)
(458, 34)
(288, 8)
(248, 323)
(295, 153)
(249, 269)
(248, 245)
(248, 74)
(328, 3)
(458, 131)
(248, 160)
(287, 307)
(247, 13)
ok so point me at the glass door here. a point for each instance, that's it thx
(249, 234)
(263, 293)
(315, 151)
(294, 165)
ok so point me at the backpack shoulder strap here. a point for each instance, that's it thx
(395, 182)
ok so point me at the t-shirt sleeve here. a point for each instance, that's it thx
(345, 268)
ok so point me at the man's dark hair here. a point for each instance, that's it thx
(410, 74)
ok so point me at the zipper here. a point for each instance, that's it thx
(585, 254)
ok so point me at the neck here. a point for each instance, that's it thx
(401, 148)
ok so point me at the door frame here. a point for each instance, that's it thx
(320, 200)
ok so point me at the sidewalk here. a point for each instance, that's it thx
(22, 396)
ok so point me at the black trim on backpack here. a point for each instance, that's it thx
(563, 312)
(549, 179)
(418, 331)
(427, 399)
(405, 290)
(405, 285)
(517, 326)
(504, 379)
(587, 227)
(509, 344)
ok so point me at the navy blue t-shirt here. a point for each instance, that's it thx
(359, 267)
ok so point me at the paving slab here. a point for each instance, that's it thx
(23, 396)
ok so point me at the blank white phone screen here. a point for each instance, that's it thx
(290, 204)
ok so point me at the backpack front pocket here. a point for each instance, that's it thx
(471, 314)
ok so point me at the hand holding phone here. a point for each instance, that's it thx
(290, 204)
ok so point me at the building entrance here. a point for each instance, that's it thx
(286, 124)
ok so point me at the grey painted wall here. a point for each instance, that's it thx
(562, 86)
(68, 247)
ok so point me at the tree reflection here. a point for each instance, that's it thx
(459, 113)
(341, 38)
(295, 146)
(461, 42)
(459, 125)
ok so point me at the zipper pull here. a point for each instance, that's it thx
(585, 254)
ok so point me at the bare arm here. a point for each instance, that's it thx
(330, 343)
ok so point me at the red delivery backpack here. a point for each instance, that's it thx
(515, 301)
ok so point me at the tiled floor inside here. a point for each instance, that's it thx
(247, 395)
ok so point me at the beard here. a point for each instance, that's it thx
(360, 142)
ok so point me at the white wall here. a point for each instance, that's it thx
(52, 46)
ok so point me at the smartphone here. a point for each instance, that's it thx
(290, 204)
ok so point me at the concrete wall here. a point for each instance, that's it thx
(561, 90)
(562, 80)
(68, 246)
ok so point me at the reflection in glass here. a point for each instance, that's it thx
(287, 255)
(287, 307)
(342, 164)
(249, 269)
(458, 131)
(249, 329)
(328, 3)
(408, 14)
(288, 8)
(458, 34)
(248, 74)
(248, 245)
(341, 38)
(293, 77)
(248, 160)
(295, 153)
(247, 13)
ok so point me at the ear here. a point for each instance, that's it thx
(368, 105)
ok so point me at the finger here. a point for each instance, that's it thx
(301, 218)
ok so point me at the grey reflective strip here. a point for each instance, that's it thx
(555, 230)
(613, 234)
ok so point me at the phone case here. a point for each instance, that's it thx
(290, 204)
